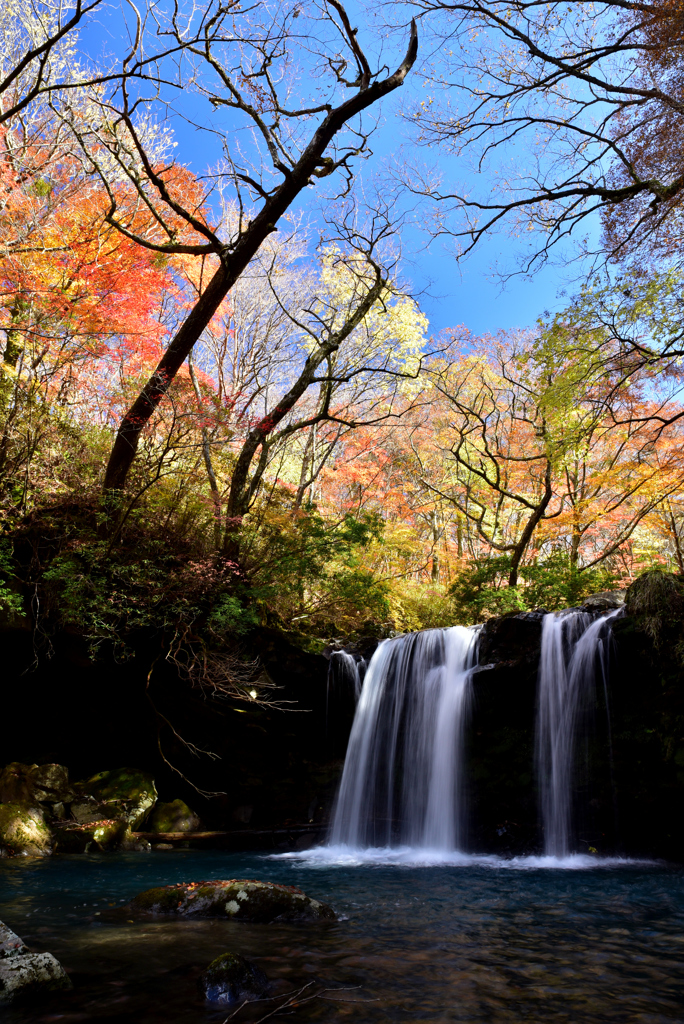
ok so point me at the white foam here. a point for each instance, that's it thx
(406, 856)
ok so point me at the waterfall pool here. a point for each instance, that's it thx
(473, 940)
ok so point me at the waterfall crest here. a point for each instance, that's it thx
(574, 660)
(403, 774)
(346, 672)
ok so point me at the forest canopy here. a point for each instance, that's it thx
(221, 402)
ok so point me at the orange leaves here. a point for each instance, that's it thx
(89, 308)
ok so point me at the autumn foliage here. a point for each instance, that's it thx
(320, 461)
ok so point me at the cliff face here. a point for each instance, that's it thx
(272, 765)
(629, 769)
(278, 767)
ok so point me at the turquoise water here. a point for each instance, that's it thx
(470, 941)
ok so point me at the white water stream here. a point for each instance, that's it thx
(573, 663)
(403, 775)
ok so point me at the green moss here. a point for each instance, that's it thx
(108, 834)
(258, 902)
(175, 816)
(656, 602)
(231, 977)
(23, 831)
(125, 792)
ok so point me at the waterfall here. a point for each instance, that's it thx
(345, 673)
(402, 779)
(574, 655)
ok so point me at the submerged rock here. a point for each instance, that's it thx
(23, 832)
(23, 973)
(175, 816)
(125, 793)
(230, 978)
(260, 902)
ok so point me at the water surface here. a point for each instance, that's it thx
(474, 940)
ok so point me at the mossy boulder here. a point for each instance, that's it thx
(239, 900)
(125, 793)
(98, 836)
(656, 603)
(23, 832)
(46, 785)
(231, 978)
(174, 816)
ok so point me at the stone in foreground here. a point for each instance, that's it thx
(30, 974)
(25, 974)
(10, 944)
(239, 900)
(231, 978)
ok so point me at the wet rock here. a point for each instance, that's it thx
(23, 832)
(30, 974)
(239, 900)
(23, 973)
(511, 639)
(10, 944)
(125, 793)
(604, 601)
(98, 836)
(175, 816)
(230, 978)
(86, 810)
(655, 601)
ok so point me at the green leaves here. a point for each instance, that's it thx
(480, 590)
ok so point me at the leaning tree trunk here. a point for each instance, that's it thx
(234, 262)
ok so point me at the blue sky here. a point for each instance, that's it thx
(449, 292)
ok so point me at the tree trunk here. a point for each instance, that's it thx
(234, 262)
(206, 454)
(530, 527)
(242, 489)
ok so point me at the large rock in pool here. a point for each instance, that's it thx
(230, 977)
(124, 793)
(175, 816)
(259, 902)
(23, 832)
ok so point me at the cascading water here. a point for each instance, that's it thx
(346, 672)
(574, 657)
(402, 780)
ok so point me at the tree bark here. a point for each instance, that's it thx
(530, 527)
(234, 262)
(242, 489)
